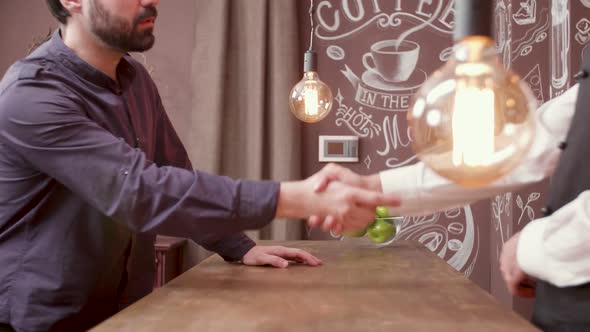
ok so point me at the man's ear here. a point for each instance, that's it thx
(72, 6)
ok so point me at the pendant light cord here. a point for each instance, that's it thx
(312, 26)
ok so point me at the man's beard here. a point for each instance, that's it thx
(119, 34)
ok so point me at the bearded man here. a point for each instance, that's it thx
(91, 170)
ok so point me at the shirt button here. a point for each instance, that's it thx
(580, 75)
(562, 145)
(546, 210)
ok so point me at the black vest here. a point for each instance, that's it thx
(568, 309)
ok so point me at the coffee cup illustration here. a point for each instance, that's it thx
(391, 60)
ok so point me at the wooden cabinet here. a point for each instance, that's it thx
(169, 252)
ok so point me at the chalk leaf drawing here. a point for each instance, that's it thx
(525, 207)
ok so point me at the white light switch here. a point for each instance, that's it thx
(338, 148)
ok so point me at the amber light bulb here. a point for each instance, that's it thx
(310, 99)
(472, 120)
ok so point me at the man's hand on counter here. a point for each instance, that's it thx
(278, 256)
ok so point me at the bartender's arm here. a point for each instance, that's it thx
(423, 191)
(550, 248)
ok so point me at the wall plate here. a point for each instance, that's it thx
(338, 148)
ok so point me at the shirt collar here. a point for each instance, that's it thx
(73, 62)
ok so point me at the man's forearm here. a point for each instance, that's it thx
(291, 201)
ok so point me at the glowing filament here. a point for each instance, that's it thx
(473, 126)
(311, 101)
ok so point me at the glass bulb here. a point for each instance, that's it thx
(310, 99)
(472, 121)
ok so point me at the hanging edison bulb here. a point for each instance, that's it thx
(472, 121)
(310, 99)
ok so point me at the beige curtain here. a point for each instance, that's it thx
(246, 58)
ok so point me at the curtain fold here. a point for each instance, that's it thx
(246, 58)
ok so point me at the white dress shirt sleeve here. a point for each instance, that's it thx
(556, 248)
(422, 191)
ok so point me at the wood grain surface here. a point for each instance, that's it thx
(403, 287)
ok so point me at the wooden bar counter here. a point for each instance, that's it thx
(403, 287)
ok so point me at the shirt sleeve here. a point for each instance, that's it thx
(422, 191)
(46, 125)
(555, 248)
(171, 151)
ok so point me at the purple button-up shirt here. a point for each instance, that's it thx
(90, 170)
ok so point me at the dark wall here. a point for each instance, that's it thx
(22, 24)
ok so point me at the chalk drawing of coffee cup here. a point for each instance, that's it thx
(393, 62)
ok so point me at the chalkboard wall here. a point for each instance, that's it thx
(542, 40)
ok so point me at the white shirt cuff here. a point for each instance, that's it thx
(530, 253)
(404, 182)
(401, 180)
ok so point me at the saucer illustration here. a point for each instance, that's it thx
(373, 80)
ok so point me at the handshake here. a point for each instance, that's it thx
(335, 199)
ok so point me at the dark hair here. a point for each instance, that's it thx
(56, 8)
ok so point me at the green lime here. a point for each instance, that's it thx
(380, 231)
(381, 212)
